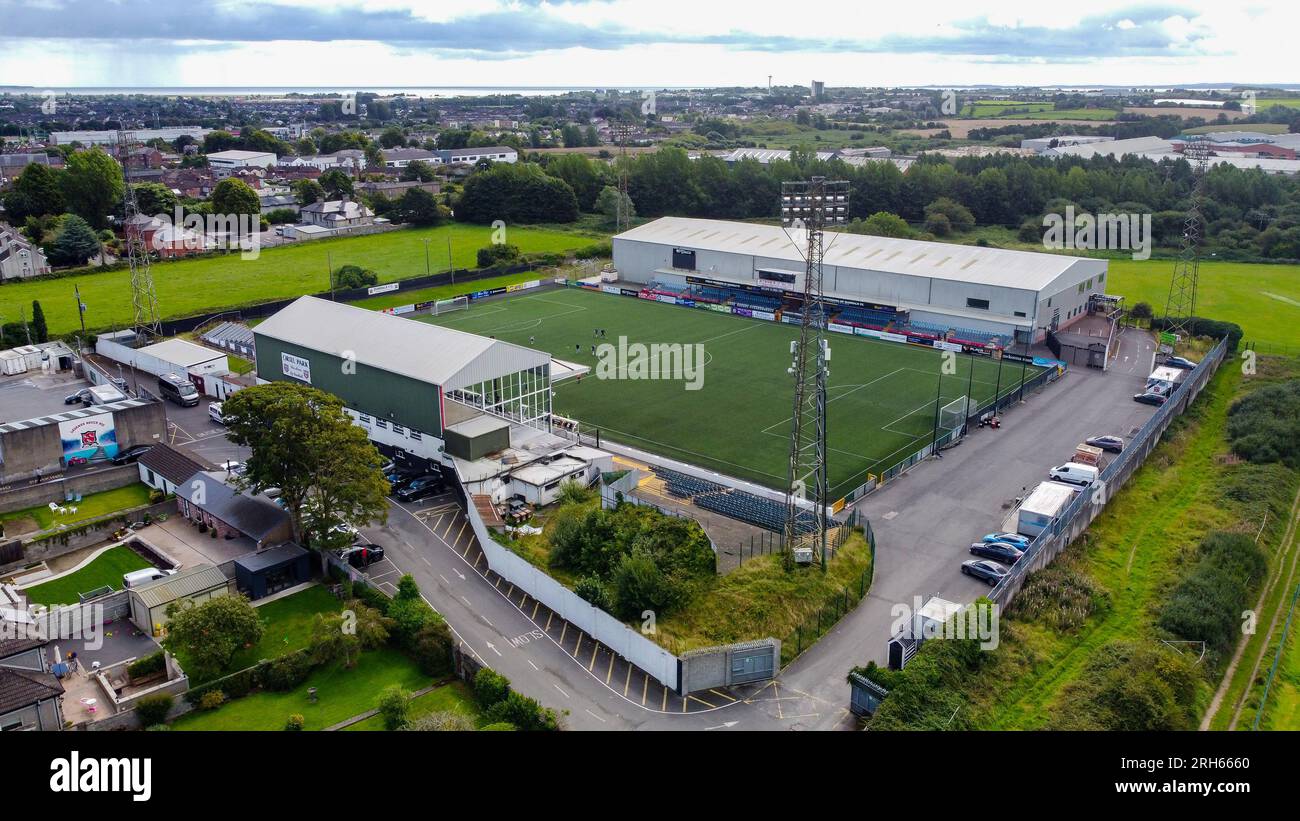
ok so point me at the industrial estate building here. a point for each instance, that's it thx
(887, 283)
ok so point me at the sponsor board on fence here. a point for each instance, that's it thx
(402, 309)
(742, 312)
(713, 306)
(689, 303)
(611, 289)
(383, 289)
(523, 286)
(671, 300)
(487, 293)
(628, 292)
(947, 346)
(838, 328)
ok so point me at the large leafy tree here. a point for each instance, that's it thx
(419, 207)
(36, 193)
(153, 198)
(304, 443)
(93, 185)
(209, 634)
(40, 330)
(232, 196)
(516, 193)
(336, 183)
(308, 191)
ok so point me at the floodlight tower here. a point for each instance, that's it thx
(807, 208)
(1181, 305)
(144, 300)
(622, 220)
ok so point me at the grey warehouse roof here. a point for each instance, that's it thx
(1027, 270)
(407, 347)
(197, 579)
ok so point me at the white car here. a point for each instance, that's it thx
(214, 413)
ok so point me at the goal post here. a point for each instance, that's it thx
(952, 416)
(446, 306)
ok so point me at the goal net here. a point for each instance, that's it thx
(952, 416)
(446, 306)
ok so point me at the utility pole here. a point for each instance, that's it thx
(144, 300)
(808, 207)
(81, 309)
(1181, 305)
(451, 269)
(426, 258)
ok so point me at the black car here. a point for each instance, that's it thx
(985, 570)
(1114, 444)
(131, 454)
(1180, 362)
(362, 554)
(77, 398)
(1000, 551)
(427, 485)
(1149, 398)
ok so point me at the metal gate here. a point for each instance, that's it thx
(752, 664)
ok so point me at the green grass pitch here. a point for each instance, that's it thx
(882, 394)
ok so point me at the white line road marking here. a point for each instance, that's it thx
(556, 686)
(444, 579)
(593, 715)
(492, 646)
(534, 666)
(467, 601)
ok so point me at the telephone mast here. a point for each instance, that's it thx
(622, 132)
(143, 299)
(1181, 305)
(807, 207)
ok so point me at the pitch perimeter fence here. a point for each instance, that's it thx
(1088, 504)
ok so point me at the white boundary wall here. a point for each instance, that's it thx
(650, 657)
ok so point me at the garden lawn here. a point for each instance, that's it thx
(105, 570)
(287, 625)
(40, 517)
(342, 693)
(188, 287)
(454, 697)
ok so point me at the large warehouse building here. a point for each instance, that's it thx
(986, 294)
(405, 382)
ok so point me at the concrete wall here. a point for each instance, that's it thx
(39, 551)
(25, 451)
(57, 489)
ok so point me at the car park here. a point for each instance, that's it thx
(131, 454)
(1179, 362)
(985, 570)
(1107, 442)
(998, 551)
(420, 487)
(362, 555)
(1014, 539)
(1149, 398)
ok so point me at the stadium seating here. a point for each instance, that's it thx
(869, 317)
(737, 504)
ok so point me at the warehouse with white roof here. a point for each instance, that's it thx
(970, 291)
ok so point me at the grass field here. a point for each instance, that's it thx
(450, 698)
(287, 625)
(187, 287)
(40, 517)
(882, 395)
(106, 569)
(376, 303)
(1263, 299)
(342, 694)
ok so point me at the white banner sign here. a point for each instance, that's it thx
(383, 289)
(295, 367)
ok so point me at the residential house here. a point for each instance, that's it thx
(195, 183)
(394, 189)
(335, 214)
(29, 693)
(19, 257)
(195, 585)
(166, 468)
(232, 513)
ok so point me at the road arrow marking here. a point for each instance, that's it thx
(493, 648)
(724, 726)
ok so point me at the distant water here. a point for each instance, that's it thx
(283, 91)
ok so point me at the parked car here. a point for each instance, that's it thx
(138, 577)
(1149, 398)
(1106, 442)
(1001, 551)
(362, 555)
(420, 487)
(78, 397)
(346, 529)
(233, 468)
(131, 454)
(1074, 473)
(214, 413)
(1180, 362)
(1013, 539)
(984, 570)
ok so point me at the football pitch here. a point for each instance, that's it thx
(881, 395)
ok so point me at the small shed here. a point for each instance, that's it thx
(149, 602)
(270, 571)
(864, 695)
(477, 437)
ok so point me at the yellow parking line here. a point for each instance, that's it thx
(594, 651)
(684, 702)
(498, 584)
(536, 605)
(702, 701)
(476, 561)
(627, 683)
(645, 688)
(578, 646)
(464, 525)
(610, 674)
(467, 547)
(448, 530)
(724, 695)
(665, 707)
(564, 632)
(512, 591)
(549, 616)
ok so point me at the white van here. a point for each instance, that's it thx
(138, 577)
(1074, 473)
(214, 413)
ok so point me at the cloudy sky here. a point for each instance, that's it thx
(385, 43)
